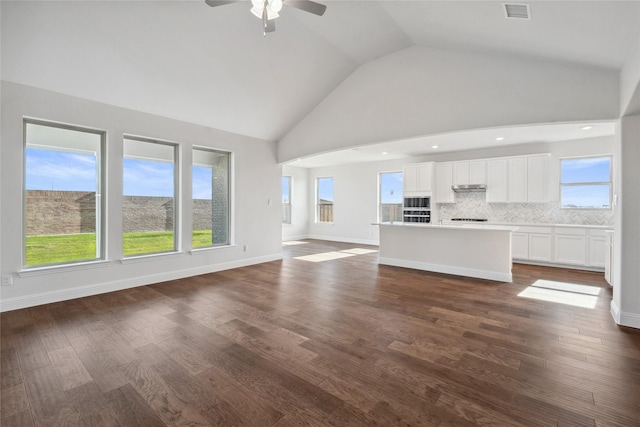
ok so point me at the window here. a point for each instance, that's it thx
(585, 183)
(324, 200)
(149, 182)
(210, 198)
(390, 197)
(286, 200)
(63, 203)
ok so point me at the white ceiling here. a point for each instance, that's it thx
(212, 66)
(459, 141)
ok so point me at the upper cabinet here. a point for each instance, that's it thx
(444, 181)
(537, 178)
(517, 180)
(522, 179)
(497, 181)
(469, 172)
(418, 179)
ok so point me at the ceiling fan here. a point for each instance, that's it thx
(267, 10)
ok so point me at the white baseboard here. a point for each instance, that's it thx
(567, 266)
(631, 320)
(8, 304)
(344, 240)
(290, 238)
(448, 269)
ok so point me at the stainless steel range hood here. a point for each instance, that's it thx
(469, 188)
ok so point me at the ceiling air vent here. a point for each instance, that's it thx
(516, 11)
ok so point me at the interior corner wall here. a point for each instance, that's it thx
(421, 91)
(256, 231)
(299, 227)
(626, 292)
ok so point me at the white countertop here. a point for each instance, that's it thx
(452, 226)
(537, 224)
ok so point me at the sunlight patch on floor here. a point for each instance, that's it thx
(563, 293)
(293, 242)
(359, 251)
(327, 256)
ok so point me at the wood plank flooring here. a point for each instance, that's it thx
(341, 342)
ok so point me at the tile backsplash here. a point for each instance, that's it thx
(473, 205)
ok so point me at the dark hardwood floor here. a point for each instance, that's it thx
(338, 342)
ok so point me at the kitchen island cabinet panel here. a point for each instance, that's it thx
(464, 250)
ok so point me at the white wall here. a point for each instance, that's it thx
(422, 91)
(355, 206)
(255, 179)
(299, 227)
(625, 306)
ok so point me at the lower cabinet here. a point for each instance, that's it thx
(562, 245)
(532, 243)
(540, 247)
(570, 246)
(519, 245)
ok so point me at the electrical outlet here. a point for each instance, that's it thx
(7, 280)
(246, 248)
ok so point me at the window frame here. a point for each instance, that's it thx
(317, 200)
(101, 193)
(380, 204)
(288, 204)
(229, 210)
(177, 205)
(609, 183)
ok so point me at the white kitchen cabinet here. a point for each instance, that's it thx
(418, 179)
(537, 176)
(597, 248)
(460, 173)
(444, 180)
(478, 172)
(469, 172)
(533, 244)
(520, 245)
(496, 181)
(517, 180)
(540, 247)
(570, 246)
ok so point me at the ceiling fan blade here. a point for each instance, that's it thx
(214, 3)
(307, 6)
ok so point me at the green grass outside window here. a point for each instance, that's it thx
(42, 250)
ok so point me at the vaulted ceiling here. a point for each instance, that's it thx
(214, 67)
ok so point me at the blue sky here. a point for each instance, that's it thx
(325, 189)
(593, 169)
(66, 171)
(60, 170)
(391, 187)
(286, 190)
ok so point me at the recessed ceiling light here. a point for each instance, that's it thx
(297, 160)
(586, 127)
(500, 138)
(384, 153)
(434, 146)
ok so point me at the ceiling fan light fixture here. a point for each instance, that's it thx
(272, 7)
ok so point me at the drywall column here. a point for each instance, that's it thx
(625, 306)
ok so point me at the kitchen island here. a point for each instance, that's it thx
(482, 251)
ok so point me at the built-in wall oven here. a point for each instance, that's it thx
(416, 209)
